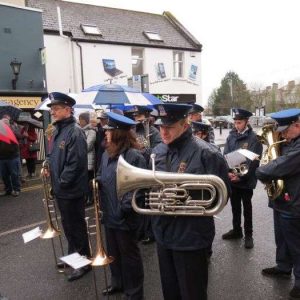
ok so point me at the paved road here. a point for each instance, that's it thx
(27, 270)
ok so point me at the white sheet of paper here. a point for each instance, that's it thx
(249, 154)
(234, 159)
(31, 235)
(75, 260)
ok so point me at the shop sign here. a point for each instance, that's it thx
(21, 101)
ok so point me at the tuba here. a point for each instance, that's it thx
(170, 193)
(271, 139)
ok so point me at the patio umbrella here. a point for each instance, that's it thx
(6, 108)
(6, 134)
(83, 101)
(118, 94)
(29, 120)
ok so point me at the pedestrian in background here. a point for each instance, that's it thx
(90, 133)
(10, 165)
(29, 137)
(242, 136)
(286, 207)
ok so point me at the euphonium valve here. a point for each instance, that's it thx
(172, 193)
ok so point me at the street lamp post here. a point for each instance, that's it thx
(16, 66)
(231, 92)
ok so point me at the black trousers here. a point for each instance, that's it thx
(238, 197)
(127, 269)
(184, 274)
(287, 238)
(73, 221)
(30, 164)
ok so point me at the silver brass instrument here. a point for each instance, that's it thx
(240, 170)
(269, 137)
(52, 230)
(169, 194)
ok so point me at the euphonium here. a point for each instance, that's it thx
(170, 193)
(269, 137)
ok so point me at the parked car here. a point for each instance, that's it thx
(224, 121)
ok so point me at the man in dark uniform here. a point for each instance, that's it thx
(195, 115)
(148, 137)
(69, 175)
(182, 241)
(242, 136)
(287, 205)
(201, 130)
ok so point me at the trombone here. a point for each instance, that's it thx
(52, 230)
(100, 258)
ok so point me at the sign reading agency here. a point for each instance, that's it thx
(21, 101)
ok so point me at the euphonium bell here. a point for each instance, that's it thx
(170, 193)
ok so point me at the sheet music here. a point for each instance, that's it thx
(75, 260)
(249, 154)
(234, 159)
(31, 235)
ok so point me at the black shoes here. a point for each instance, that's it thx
(5, 193)
(249, 242)
(111, 290)
(232, 235)
(61, 265)
(275, 272)
(78, 273)
(295, 293)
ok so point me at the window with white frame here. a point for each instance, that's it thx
(137, 58)
(177, 64)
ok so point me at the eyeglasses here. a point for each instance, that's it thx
(57, 108)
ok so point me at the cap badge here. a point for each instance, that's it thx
(162, 111)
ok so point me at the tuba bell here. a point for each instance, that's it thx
(170, 193)
(271, 139)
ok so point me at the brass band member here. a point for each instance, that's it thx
(195, 115)
(242, 136)
(182, 242)
(69, 175)
(119, 219)
(287, 205)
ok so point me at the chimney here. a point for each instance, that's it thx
(275, 86)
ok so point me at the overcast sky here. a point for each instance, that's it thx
(257, 39)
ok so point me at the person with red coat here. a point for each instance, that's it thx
(29, 137)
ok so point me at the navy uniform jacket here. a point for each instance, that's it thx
(248, 140)
(68, 160)
(179, 232)
(287, 168)
(117, 213)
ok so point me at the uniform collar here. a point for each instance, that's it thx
(181, 140)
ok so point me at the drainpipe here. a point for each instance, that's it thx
(61, 34)
(81, 65)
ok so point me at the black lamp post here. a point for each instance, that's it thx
(16, 66)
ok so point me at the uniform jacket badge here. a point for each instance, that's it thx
(182, 167)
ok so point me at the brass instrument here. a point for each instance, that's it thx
(144, 139)
(52, 230)
(240, 170)
(269, 137)
(100, 258)
(169, 194)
